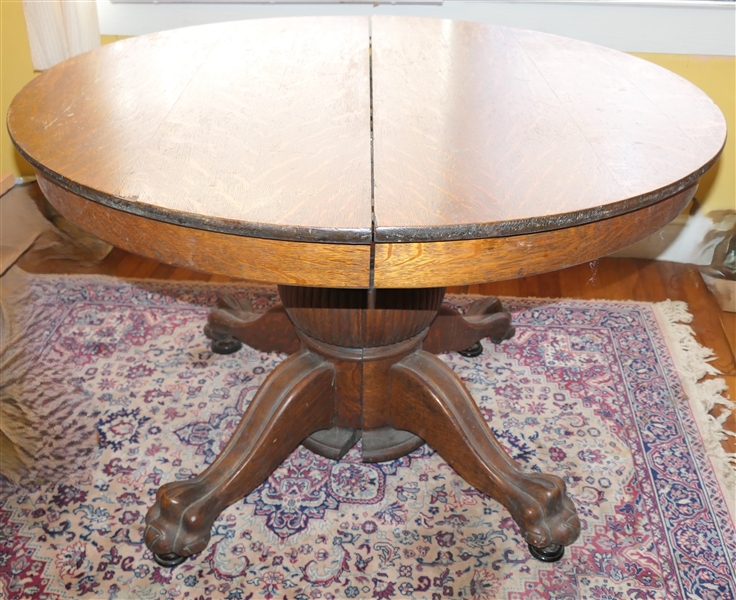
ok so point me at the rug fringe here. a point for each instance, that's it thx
(692, 362)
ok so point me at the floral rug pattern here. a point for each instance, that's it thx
(585, 390)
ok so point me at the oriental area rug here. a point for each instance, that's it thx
(120, 393)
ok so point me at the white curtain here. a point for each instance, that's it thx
(60, 29)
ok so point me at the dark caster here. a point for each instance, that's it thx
(226, 345)
(169, 560)
(550, 554)
(474, 350)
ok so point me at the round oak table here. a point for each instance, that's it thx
(363, 165)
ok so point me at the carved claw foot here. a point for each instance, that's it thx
(177, 525)
(234, 320)
(453, 332)
(541, 507)
(490, 314)
(431, 402)
(297, 399)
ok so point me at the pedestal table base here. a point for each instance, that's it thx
(359, 373)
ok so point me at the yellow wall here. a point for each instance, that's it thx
(109, 39)
(715, 75)
(16, 70)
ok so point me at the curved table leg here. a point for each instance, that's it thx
(430, 401)
(296, 400)
(453, 332)
(233, 322)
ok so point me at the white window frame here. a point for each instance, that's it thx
(705, 27)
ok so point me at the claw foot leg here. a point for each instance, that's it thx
(296, 400)
(233, 320)
(453, 332)
(431, 402)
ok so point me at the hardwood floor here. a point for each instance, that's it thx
(608, 279)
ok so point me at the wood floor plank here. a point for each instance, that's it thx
(145, 269)
(627, 279)
(222, 279)
(128, 265)
(163, 271)
(181, 274)
(728, 321)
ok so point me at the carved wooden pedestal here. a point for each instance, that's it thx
(357, 372)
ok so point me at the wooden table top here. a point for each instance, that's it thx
(385, 132)
(489, 131)
(257, 127)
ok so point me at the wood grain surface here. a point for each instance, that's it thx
(424, 264)
(258, 128)
(495, 152)
(483, 131)
(272, 261)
